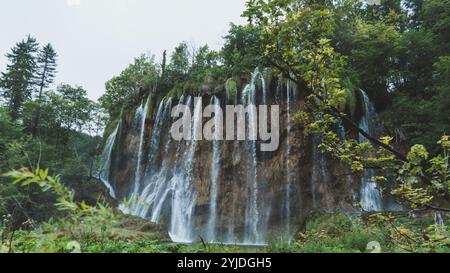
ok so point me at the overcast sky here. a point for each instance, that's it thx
(97, 39)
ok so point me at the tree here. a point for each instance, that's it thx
(73, 106)
(436, 17)
(296, 40)
(164, 65)
(204, 61)
(241, 52)
(11, 132)
(46, 74)
(136, 81)
(179, 62)
(414, 7)
(375, 59)
(19, 80)
(417, 106)
(201, 59)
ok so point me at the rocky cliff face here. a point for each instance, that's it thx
(226, 191)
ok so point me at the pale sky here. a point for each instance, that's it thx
(97, 39)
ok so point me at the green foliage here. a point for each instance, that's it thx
(40, 177)
(130, 87)
(179, 62)
(241, 52)
(296, 37)
(46, 67)
(436, 14)
(408, 234)
(45, 75)
(10, 131)
(296, 40)
(189, 70)
(19, 79)
(351, 100)
(339, 233)
(88, 236)
(375, 47)
(436, 172)
(60, 144)
(336, 233)
(73, 107)
(231, 88)
(424, 116)
(84, 228)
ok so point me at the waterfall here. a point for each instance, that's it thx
(264, 89)
(171, 184)
(169, 173)
(106, 158)
(252, 214)
(139, 122)
(141, 202)
(340, 129)
(315, 172)
(140, 118)
(160, 186)
(370, 194)
(156, 135)
(320, 175)
(288, 152)
(231, 235)
(215, 172)
(156, 174)
(438, 220)
(183, 197)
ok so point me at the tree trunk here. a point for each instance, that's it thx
(35, 129)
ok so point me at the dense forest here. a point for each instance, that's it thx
(52, 138)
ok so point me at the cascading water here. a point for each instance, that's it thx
(340, 129)
(170, 183)
(227, 195)
(159, 190)
(264, 88)
(288, 153)
(156, 135)
(370, 193)
(183, 197)
(106, 158)
(252, 214)
(215, 172)
(139, 121)
(438, 220)
(141, 202)
(159, 183)
(318, 172)
(320, 175)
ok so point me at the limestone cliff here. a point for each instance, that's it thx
(254, 194)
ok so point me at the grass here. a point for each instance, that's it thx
(322, 233)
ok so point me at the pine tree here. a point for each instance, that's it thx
(45, 76)
(46, 67)
(20, 77)
(163, 65)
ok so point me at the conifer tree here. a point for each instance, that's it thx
(45, 76)
(19, 80)
(163, 65)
